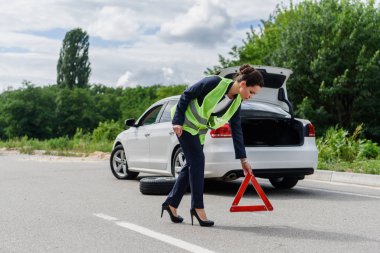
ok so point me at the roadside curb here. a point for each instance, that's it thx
(346, 177)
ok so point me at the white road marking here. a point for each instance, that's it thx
(105, 217)
(158, 236)
(340, 192)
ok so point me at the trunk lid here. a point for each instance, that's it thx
(274, 80)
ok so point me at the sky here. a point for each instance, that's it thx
(142, 42)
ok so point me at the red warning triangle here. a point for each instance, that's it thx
(239, 194)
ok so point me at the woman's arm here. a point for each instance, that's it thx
(238, 140)
(237, 135)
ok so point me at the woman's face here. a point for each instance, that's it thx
(247, 92)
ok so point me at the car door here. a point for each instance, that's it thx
(161, 139)
(137, 148)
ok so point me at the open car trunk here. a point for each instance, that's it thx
(272, 132)
(274, 90)
(268, 118)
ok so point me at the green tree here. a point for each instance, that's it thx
(107, 102)
(75, 109)
(333, 49)
(50, 111)
(28, 111)
(73, 68)
(136, 100)
(167, 91)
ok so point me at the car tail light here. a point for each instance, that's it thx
(222, 132)
(310, 130)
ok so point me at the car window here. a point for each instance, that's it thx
(166, 115)
(151, 116)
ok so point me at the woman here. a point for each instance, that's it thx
(210, 103)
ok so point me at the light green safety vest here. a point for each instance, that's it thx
(198, 119)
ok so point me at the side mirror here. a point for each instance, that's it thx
(130, 122)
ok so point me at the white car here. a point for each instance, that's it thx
(278, 146)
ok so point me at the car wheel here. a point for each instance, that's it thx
(178, 162)
(119, 165)
(283, 182)
(156, 185)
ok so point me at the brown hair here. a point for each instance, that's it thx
(249, 74)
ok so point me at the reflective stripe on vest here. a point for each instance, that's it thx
(198, 118)
(195, 113)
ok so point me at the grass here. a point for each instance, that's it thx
(371, 166)
(59, 146)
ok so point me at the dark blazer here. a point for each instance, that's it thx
(199, 90)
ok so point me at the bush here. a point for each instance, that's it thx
(337, 145)
(106, 131)
(61, 143)
(368, 149)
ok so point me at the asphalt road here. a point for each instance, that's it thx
(76, 205)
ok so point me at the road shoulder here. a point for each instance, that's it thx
(346, 177)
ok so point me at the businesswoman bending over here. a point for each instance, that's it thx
(210, 103)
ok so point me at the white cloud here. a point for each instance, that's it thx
(29, 52)
(29, 42)
(150, 61)
(124, 80)
(205, 24)
(21, 15)
(152, 75)
(35, 67)
(115, 23)
(168, 72)
(34, 60)
(251, 10)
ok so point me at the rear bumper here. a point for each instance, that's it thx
(299, 173)
(277, 161)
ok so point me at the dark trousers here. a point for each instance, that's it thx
(192, 173)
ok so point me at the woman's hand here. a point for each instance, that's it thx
(247, 169)
(177, 130)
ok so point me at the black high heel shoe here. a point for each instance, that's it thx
(207, 223)
(175, 219)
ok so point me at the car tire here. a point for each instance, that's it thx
(283, 182)
(178, 162)
(119, 165)
(156, 185)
